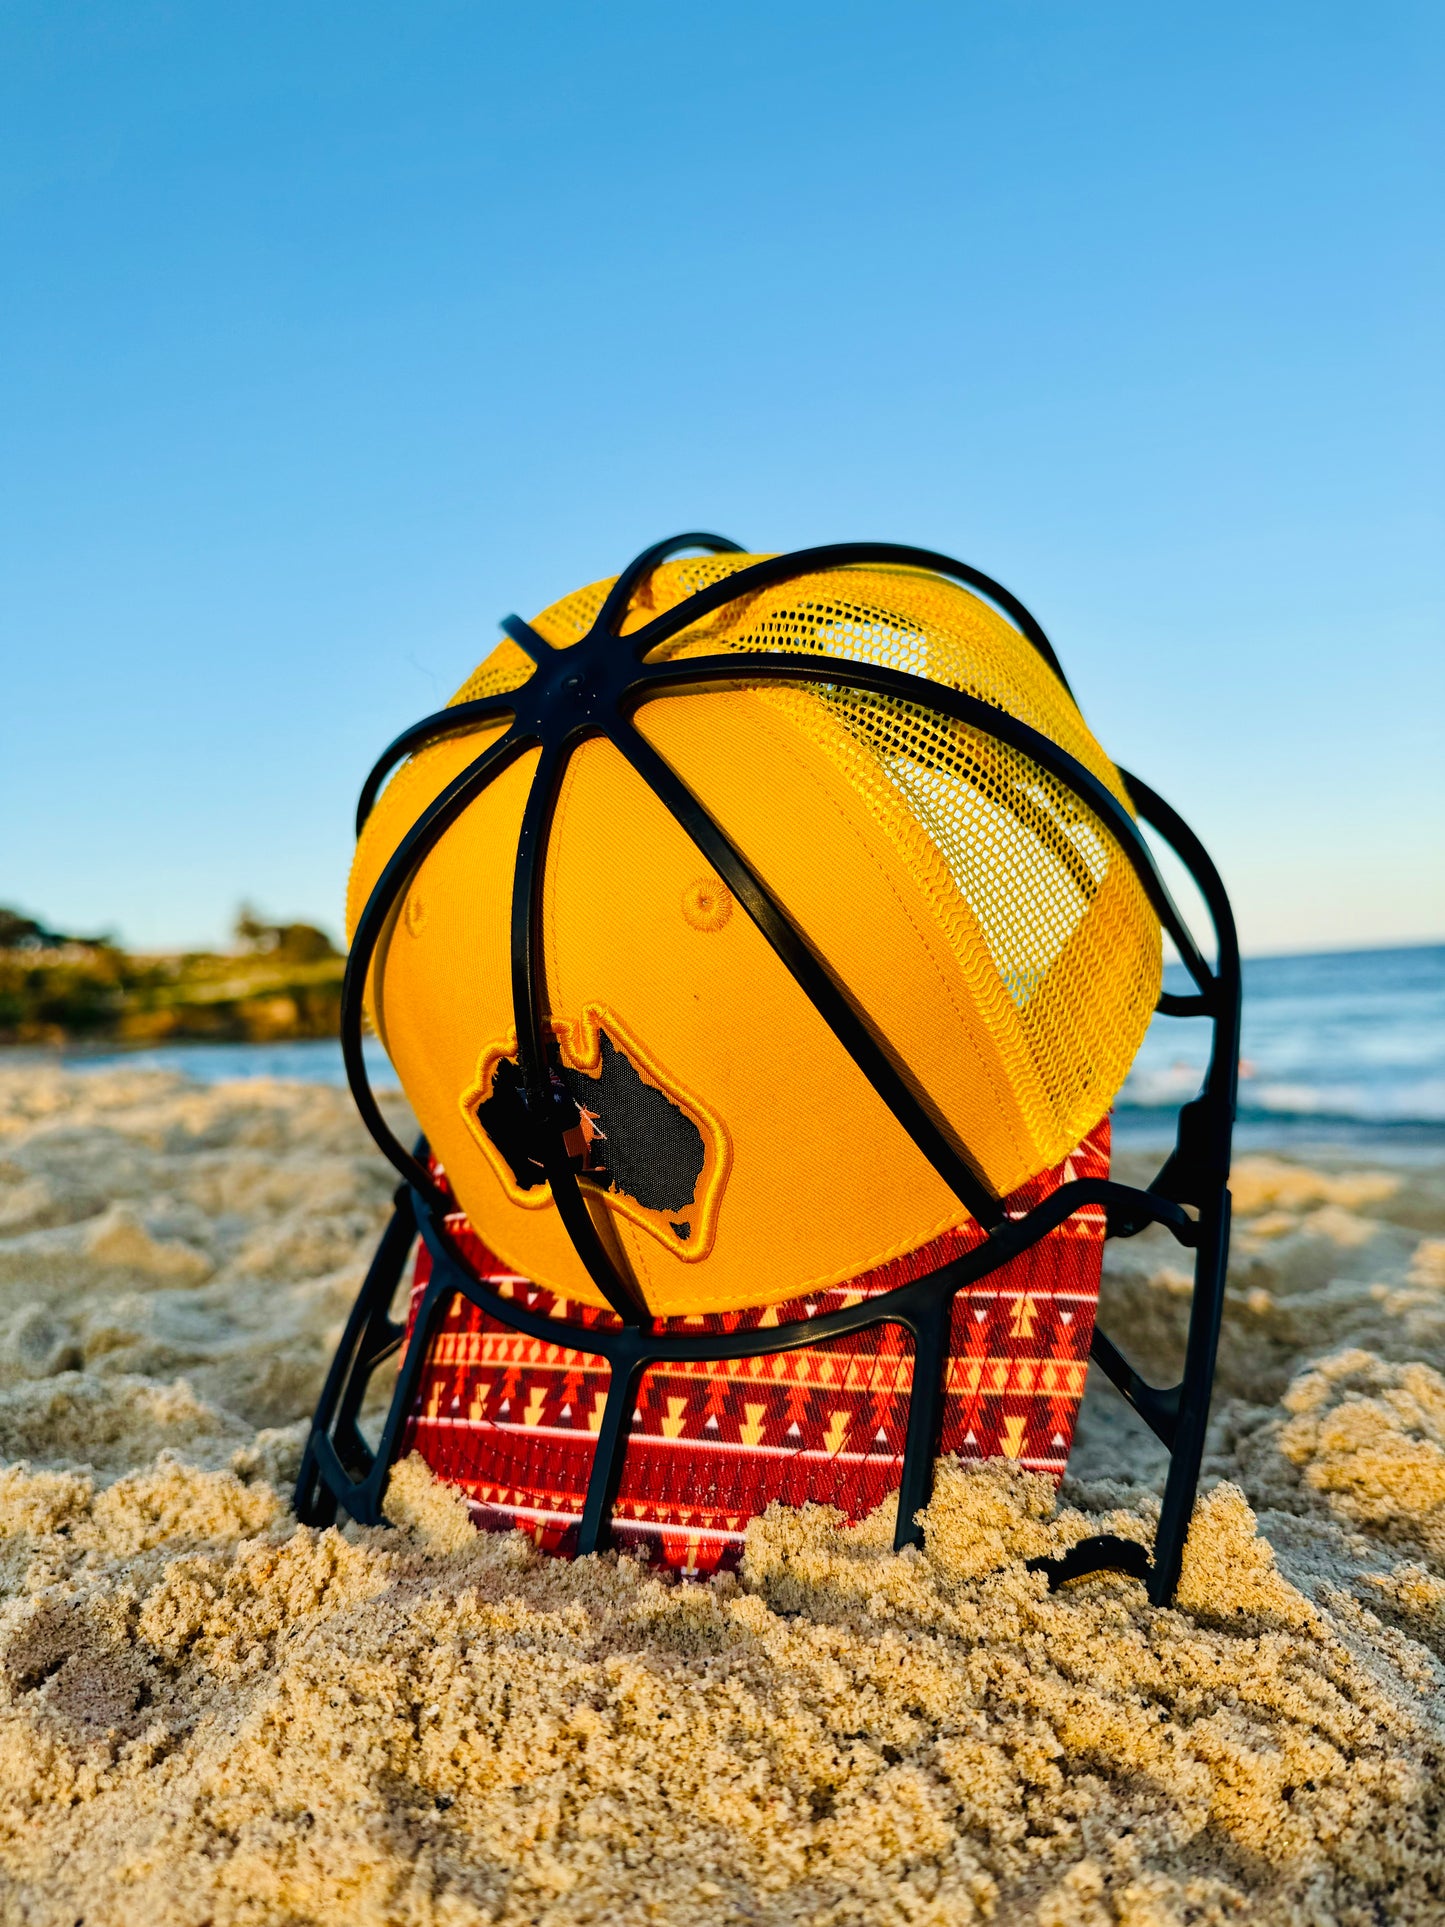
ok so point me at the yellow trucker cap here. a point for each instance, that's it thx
(979, 917)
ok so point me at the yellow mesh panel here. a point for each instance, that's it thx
(567, 621)
(1073, 942)
(1073, 963)
(509, 666)
(506, 669)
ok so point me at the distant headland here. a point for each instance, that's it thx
(281, 981)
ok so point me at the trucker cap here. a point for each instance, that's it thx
(975, 912)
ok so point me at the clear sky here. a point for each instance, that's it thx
(330, 334)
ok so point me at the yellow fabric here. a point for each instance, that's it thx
(975, 912)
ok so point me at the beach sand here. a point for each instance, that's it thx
(210, 1715)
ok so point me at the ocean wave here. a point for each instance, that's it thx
(1406, 1101)
(1353, 1038)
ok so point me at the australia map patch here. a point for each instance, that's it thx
(653, 1153)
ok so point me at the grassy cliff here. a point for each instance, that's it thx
(283, 981)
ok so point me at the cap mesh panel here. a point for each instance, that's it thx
(509, 666)
(1073, 967)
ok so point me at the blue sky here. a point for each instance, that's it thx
(331, 334)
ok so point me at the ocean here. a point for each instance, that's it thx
(1347, 1047)
(1345, 1050)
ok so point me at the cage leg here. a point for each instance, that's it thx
(931, 1332)
(371, 1335)
(1198, 1383)
(610, 1454)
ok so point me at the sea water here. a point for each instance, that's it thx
(1345, 1049)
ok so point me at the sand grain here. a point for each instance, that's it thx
(209, 1714)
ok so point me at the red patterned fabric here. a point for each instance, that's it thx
(513, 1420)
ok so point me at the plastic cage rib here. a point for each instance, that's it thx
(592, 688)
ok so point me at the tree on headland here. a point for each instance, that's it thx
(286, 982)
(19, 932)
(288, 942)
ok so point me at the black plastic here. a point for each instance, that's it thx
(593, 688)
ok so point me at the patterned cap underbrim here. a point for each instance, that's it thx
(512, 1420)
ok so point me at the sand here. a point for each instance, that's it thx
(210, 1715)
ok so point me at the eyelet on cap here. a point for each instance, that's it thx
(707, 904)
(414, 915)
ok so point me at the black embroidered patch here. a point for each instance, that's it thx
(654, 1152)
(505, 1118)
(622, 1132)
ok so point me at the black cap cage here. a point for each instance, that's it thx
(593, 688)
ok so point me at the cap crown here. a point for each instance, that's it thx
(977, 914)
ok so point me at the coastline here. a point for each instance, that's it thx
(73, 994)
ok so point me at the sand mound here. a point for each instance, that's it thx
(208, 1714)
